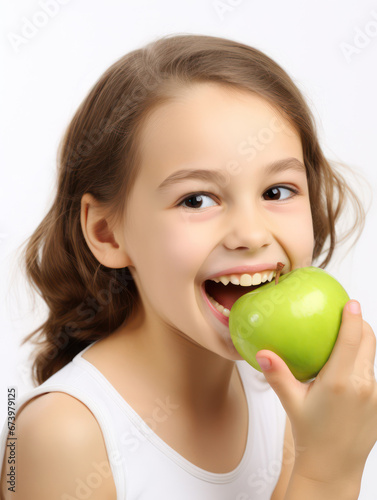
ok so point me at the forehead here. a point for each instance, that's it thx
(208, 124)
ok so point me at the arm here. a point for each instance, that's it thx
(58, 444)
(302, 485)
(287, 464)
(334, 417)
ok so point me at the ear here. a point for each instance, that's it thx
(100, 239)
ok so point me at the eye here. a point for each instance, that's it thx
(195, 200)
(275, 191)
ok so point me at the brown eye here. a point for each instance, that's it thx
(275, 192)
(194, 200)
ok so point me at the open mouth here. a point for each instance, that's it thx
(222, 297)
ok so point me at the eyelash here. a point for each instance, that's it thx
(293, 190)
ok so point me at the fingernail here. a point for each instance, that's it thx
(354, 307)
(264, 363)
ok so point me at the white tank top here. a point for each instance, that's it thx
(144, 467)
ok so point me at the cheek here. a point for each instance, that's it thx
(183, 242)
(173, 254)
(167, 252)
(299, 238)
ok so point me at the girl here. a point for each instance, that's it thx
(191, 169)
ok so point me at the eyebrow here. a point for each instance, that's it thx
(218, 175)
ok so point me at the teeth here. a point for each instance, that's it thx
(246, 279)
(267, 276)
(224, 280)
(219, 307)
(243, 280)
(257, 279)
(234, 279)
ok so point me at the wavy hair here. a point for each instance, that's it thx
(100, 154)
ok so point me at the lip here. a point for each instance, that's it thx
(215, 312)
(234, 270)
(245, 269)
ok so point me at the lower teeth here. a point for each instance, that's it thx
(223, 310)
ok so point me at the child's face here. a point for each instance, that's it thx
(239, 221)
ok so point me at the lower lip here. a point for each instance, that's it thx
(216, 313)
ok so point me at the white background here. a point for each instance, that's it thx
(45, 79)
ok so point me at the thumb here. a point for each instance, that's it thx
(288, 389)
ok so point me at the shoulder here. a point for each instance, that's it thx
(60, 450)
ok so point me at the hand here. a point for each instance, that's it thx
(334, 417)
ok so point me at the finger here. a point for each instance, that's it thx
(363, 375)
(345, 351)
(288, 389)
(367, 350)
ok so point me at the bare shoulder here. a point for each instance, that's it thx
(60, 450)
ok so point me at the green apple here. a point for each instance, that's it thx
(297, 316)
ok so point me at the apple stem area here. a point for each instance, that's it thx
(279, 267)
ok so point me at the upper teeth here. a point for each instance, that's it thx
(246, 279)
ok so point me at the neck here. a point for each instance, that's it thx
(199, 380)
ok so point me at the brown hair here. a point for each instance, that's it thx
(100, 154)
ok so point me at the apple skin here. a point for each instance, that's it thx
(298, 318)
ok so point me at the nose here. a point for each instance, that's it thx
(247, 229)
